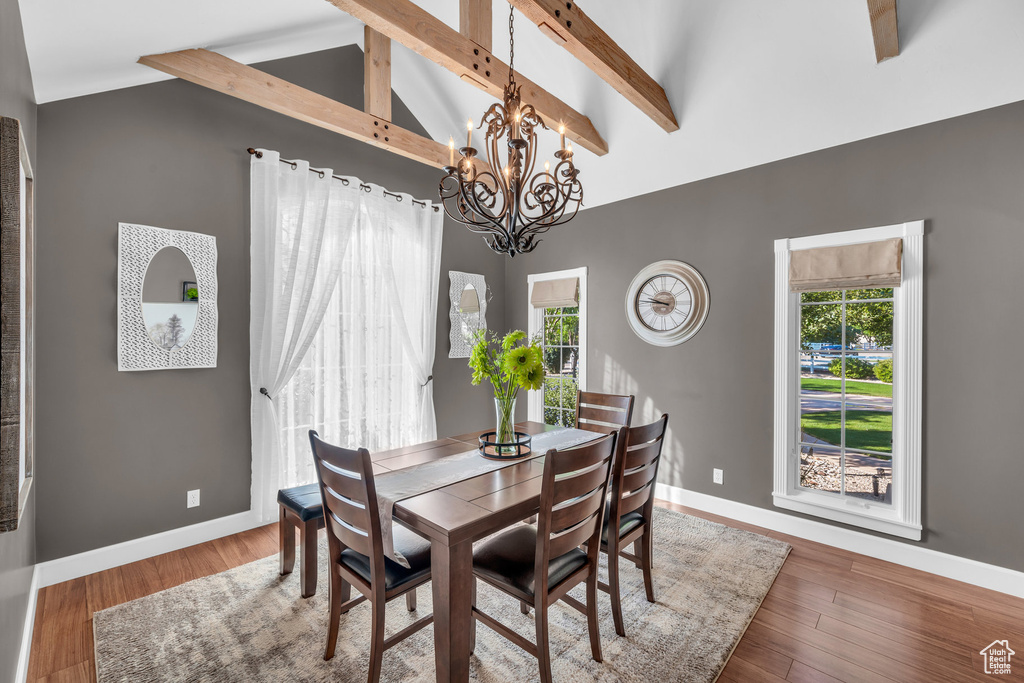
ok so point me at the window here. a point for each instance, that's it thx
(558, 319)
(848, 390)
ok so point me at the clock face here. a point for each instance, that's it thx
(667, 303)
(663, 303)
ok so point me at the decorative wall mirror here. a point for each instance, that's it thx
(17, 242)
(166, 299)
(468, 295)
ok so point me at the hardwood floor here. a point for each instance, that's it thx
(831, 615)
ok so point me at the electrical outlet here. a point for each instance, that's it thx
(716, 477)
(193, 499)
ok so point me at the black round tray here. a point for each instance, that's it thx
(493, 450)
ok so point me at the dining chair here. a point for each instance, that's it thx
(631, 508)
(602, 412)
(356, 549)
(538, 565)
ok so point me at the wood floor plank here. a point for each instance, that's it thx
(233, 551)
(801, 673)
(739, 670)
(141, 578)
(83, 672)
(790, 610)
(104, 589)
(204, 559)
(64, 642)
(173, 568)
(771, 661)
(864, 587)
(867, 659)
(811, 655)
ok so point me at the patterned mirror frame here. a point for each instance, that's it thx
(136, 247)
(17, 401)
(459, 347)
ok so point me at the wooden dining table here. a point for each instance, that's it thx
(454, 516)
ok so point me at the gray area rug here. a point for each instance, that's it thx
(250, 624)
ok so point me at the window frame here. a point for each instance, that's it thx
(535, 322)
(903, 517)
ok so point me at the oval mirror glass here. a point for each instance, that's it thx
(469, 312)
(470, 302)
(170, 299)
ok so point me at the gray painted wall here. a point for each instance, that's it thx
(17, 548)
(964, 175)
(117, 451)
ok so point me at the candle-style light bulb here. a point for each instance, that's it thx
(561, 135)
(547, 169)
(469, 133)
(515, 129)
(451, 151)
(568, 149)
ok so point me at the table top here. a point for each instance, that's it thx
(472, 508)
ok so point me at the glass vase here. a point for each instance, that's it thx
(505, 432)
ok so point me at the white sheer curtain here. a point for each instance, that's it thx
(363, 379)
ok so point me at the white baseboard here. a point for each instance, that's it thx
(100, 559)
(30, 623)
(951, 566)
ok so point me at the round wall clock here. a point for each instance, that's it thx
(667, 302)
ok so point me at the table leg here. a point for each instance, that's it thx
(451, 579)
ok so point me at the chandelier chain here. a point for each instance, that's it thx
(511, 43)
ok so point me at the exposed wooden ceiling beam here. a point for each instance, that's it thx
(217, 72)
(567, 25)
(475, 21)
(421, 32)
(376, 74)
(884, 28)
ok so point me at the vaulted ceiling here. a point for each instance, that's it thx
(749, 81)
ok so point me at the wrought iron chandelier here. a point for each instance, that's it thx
(507, 202)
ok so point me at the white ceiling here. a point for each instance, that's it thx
(750, 81)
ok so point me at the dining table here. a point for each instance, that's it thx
(455, 515)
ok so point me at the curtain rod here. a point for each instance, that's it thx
(362, 186)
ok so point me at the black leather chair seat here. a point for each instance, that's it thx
(413, 547)
(510, 557)
(627, 522)
(304, 501)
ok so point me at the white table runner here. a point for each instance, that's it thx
(412, 481)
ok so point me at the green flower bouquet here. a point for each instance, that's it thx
(510, 365)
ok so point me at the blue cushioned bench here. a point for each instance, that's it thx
(302, 509)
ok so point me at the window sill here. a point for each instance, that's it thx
(867, 516)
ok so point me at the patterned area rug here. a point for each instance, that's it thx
(250, 624)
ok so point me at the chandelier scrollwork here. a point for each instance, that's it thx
(505, 198)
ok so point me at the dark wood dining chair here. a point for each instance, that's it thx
(538, 565)
(602, 412)
(356, 550)
(631, 508)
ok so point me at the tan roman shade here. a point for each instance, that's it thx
(470, 302)
(556, 293)
(852, 266)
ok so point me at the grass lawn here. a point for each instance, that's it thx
(852, 386)
(867, 429)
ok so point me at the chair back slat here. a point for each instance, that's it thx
(574, 488)
(602, 412)
(638, 478)
(353, 523)
(573, 537)
(636, 472)
(579, 483)
(349, 536)
(634, 501)
(573, 511)
(642, 454)
(348, 484)
(352, 512)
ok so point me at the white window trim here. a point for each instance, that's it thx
(535, 318)
(903, 517)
